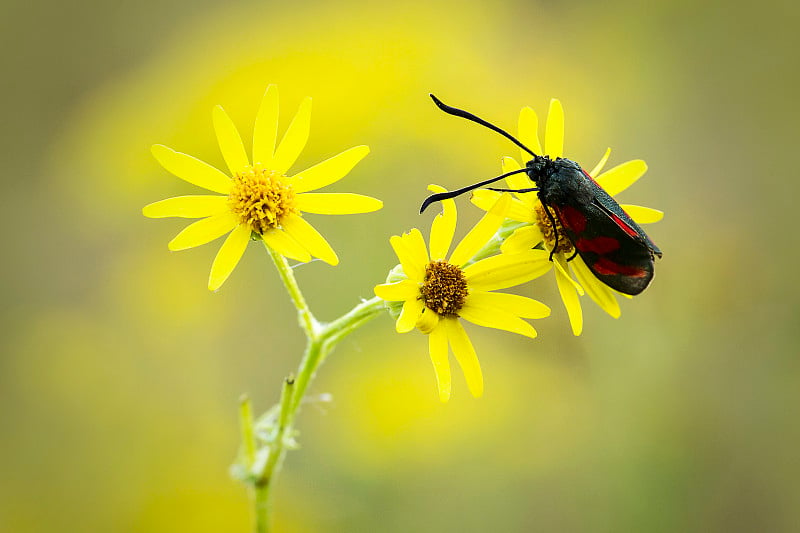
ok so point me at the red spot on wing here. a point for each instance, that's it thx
(600, 245)
(572, 218)
(606, 267)
(624, 225)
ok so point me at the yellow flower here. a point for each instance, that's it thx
(526, 207)
(438, 290)
(259, 200)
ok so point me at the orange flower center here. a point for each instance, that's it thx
(549, 232)
(261, 198)
(444, 288)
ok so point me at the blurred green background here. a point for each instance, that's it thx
(120, 372)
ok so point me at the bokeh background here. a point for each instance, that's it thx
(120, 372)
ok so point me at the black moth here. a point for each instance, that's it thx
(617, 251)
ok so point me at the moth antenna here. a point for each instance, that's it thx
(469, 116)
(439, 196)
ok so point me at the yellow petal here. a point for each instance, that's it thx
(443, 226)
(643, 215)
(413, 269)
(338, 203)
(415, 245)
(529, 132)
(230, 143)
(309, 238)
(427, 321)
(484, 230)
(465, 355)
(554, 130)
(294, 140)
(600, 164)
(522, 240)
(265, 131)
(491, 317)
(412, 309)
(203, 231)
(285, 245)
(191, 169)
(437, 347)
(570, 297)
(622, 176)
(561, 266)
(196, 206)
(228, 256)
(507, 270)
(395, 292)
(511, 303)
(597, 290)
(328, 171)
(518, 210)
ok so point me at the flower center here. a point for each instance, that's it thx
(261, 198)
(549, 232)
(444, 288)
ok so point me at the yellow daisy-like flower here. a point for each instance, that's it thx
(526, 207)
(259, 200)
(440, 290)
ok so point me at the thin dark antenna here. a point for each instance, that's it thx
(469, 116)
(439, 196)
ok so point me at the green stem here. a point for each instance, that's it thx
(321, 340)
(304, 315)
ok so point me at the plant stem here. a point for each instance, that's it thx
(321, 340)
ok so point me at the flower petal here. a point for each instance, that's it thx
(484, 230)
(412, 309)
(443, 226)
(506, 270)
(465, 355)
(518, 210)
(622, 176)
(230, 143)
(437, 347)
(395, 292)
(309, 238)
(515, 181)
(191, 169)
(511, 303)
(642, 215)
(522, 240)
(412, 268)
(284, 244)
(528, 130)
(554, 130)
(491, 317)
(228, 256)
(203, 231)
(569, 296)
(196, 206)
(597, 290)
(415, 244)
(329, 171)
(294, 140)
(338, 203)
(427, 321)
(600, 164)
(265, 131)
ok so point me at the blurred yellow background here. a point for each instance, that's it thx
(120, 372)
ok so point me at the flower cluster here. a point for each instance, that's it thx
(433, 288)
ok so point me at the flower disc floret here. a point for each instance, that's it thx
(261, 198)
(444, 289)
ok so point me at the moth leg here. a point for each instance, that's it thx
(555, 231)
(573, 255)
